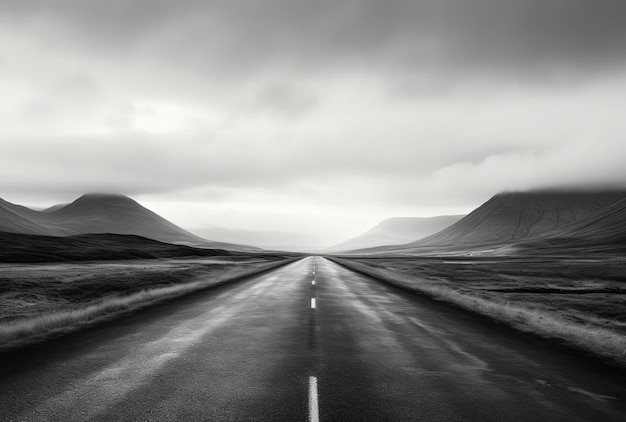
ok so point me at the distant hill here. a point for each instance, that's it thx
(515, 216)
(100, 213)
(396, 231)
(26, 248)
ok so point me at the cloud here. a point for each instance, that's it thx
(526, 39)
(284, 100)
(351, 137)
(577, 164)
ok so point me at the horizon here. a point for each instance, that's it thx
(313, 244)
(299, 241)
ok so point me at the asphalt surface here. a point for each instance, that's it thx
(258, 350)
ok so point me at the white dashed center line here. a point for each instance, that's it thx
(314, 415)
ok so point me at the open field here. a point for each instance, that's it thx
(25, 248)
(38, 300)
(581, 301)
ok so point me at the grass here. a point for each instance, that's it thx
(581, 302)
(44, 300)
(26, 248)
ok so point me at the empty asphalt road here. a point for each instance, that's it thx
(308, 341)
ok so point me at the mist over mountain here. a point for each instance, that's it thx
(398, 230)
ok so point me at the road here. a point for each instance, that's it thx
(264, 350)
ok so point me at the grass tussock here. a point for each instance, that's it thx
(65, 316)
(588, 330)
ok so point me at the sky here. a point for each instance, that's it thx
(316, 117)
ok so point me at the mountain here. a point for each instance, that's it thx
(398, 230)
(608, 223)
(104, 213)
(100, 213)
(516, 220)
(18, 219)
(513, 216)
(602, 230)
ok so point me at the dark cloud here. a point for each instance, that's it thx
(527, 39)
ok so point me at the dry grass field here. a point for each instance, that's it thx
(581, 301)
(38, 300)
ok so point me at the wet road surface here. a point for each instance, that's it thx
(307, 341)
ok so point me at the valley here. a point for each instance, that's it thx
(526, 277)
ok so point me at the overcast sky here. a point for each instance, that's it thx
(321, 117)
